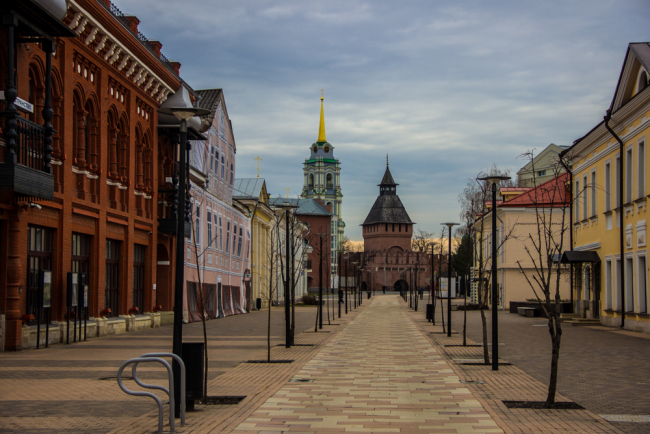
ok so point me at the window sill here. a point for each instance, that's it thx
(643, 315)
(642, 199)
(608, 213)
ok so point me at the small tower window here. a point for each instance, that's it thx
(329, 181)
(311, 181)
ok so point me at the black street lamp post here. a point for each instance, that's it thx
(494, 180)
(287, 207)
(449, 225)
(183, 114)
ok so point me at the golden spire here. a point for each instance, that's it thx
(321, 128)
(386, 160)
(258, 165)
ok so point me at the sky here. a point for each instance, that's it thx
(445, 88)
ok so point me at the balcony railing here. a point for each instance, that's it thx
(30, 143)
(26, 180)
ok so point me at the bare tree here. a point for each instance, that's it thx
(421, 241)
(544, 246)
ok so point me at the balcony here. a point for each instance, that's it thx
(25, 179)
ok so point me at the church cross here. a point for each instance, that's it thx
(258, 165)
(288, 190)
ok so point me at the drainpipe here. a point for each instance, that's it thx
(570, 215)
(621, 212)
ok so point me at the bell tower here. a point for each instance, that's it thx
(321, 173)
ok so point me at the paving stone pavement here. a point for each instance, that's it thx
(379, 374)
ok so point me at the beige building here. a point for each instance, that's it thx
(516, 222)
(543, 167)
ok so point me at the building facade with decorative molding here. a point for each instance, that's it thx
(87, 171)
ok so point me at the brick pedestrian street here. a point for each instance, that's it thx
(381, 368)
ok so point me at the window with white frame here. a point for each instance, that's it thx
(593, 193)
(628, 175)
(629, 284)
(241, 235)
(577, 207)
(234, 238)
(228, 236)
(197, 230)
(617, 181)
(584, 197)
(608, 186)
(220, 234)
(209, 220)
(641, 169)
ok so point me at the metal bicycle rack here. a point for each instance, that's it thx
(156, 357)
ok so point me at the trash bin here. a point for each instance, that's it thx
(193, 359)
(429, 311)
(258, 303)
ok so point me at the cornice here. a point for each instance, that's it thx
(128, 57)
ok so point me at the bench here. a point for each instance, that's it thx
(526, 311)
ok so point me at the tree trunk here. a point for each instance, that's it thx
(486, 355)
(555, 329)
(465, 318)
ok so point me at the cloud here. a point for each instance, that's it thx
(446, 88)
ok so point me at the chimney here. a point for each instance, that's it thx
(156, 45)
(133, 23)
(176, 66)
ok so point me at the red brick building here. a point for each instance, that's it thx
(95, 209)
(387, 258)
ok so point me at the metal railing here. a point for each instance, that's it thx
(156, 358)
(30, 143)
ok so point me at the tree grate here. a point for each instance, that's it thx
(539, 405)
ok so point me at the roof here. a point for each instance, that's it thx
(305, 206)
(388, 209)
(552, 149)
(388, 178)
(209, 100)
(550, 193)
(247, 188)
(573, 256)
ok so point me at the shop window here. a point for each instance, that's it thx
(139, 252)
(112, 276)
(39, 258)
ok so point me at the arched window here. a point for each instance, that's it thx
(311, 181)
(329, 181)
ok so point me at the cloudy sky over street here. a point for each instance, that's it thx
(446, 88)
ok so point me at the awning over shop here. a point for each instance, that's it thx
(572, 257)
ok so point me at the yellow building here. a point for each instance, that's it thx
(251, 194)
(609, 207)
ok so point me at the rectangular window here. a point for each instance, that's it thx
(541, 173)
(641, 170)
(608, 284)
(577, 204)
(584, 198)
(209, 220)
(211, 158)
(223, 167)
(617, 181)
(234, 238)
(608, 186)
(112, 276)
(39, 258)
(139, 253)
(629, 284)
(642, 284)
(628, 176)
(198, 224)
(593, 193)
(241, 236)
(228, 237)
(232, 174)
(220, 234)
